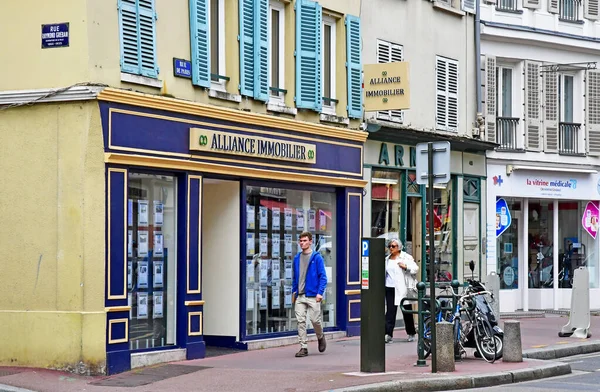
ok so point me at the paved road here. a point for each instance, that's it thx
(585, 377)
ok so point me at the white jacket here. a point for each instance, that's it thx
(399, 274)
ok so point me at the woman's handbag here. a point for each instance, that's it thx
(411, 286)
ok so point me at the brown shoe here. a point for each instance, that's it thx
(302, 353)
(322, 344)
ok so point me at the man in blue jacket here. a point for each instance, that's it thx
(308, 285)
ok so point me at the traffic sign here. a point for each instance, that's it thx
(441, 163)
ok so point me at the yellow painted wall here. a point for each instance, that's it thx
(173, 40)
(25, 64)
(52, 280)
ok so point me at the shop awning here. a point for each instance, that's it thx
(412, 137)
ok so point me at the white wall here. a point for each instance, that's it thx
(221, 257)
(445, 34)
(540, 19)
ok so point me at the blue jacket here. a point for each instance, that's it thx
(316, 277)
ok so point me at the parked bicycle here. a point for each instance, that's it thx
(475, 324)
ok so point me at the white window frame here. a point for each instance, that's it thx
(277, 97)
(330, 107)
(500, 98)
(219, 84)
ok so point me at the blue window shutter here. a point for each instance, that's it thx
(308, 55)
(128, 35)
(200, 41)
(261, 50)
(354, 67)
(247, 20)
(147, 34)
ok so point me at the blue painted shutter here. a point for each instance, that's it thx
(137, 33)
(308, 55)
(128, 34)
(147, 29)
(354, 66)
(261, 50)
(200, 41)
(247, 20)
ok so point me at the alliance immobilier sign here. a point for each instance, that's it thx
(386, 86)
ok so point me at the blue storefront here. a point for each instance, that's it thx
(204, 208)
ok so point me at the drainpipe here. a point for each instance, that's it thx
(479, 121)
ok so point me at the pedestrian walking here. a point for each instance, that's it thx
(308, 286)
(400, 271)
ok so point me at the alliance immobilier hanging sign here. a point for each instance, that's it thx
(386, 86)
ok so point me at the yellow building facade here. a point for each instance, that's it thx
(114, 223)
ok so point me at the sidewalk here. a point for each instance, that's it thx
(277, 369)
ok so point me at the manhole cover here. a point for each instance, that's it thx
(9, 372)
(145, 376)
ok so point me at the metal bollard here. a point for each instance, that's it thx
(444, 346)
(420, 310)
(512, 342)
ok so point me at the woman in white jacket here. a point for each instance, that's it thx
(400, 268)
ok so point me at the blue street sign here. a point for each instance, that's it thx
(182, 68)
(55, 35)
(503, 219)
(365, 248)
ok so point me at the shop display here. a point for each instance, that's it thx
(312, 217)
(129, 274)
(287, 218)
(288, 244)
(250, 217)
(275, 300)
(287, 289)
(276, 218)
(142, 275)
(142, 243)
(300, 219)
(142, 305)
(142, 212)
(129, 243)
(158, 213)
(264, 244)
(250, 244)
(157, 300)
(158, 244)
(157, 278)
(264, 219)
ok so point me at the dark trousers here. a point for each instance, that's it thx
(390, 314)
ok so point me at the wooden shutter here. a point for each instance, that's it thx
(532, 4)
(550, 97)
(453, 96)
(128, 29)
(441, 94)
(308, 55)
(246, 39)
(468, 6)
(592, 111)
(532, 105)
(591, 9)
(354, 67)
(137, 33)
(261, 50)
(388, 52)
(200, 41)
(490, 97)
(553, 6)
(147, 29)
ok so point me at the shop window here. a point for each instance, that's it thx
(540, 243)
(507, 244)
(275, 217)
(411, 184)
(385, 204)
(152, 262)
(442, 232)
(471, 189)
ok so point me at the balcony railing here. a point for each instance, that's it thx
(568, 138)
(507, 5)
(569, 10)
(506, 132)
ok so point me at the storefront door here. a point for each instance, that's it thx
(220, 240)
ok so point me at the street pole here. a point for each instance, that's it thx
(432, 313)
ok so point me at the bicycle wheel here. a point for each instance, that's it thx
(485, 340)
(427, 336)
(457, 337)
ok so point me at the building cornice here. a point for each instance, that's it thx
(72, 93)
(221, 113)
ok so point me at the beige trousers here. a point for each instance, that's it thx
(308, 305)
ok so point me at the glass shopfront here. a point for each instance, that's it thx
(151, 262)
(275, 217)
(442, 231)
